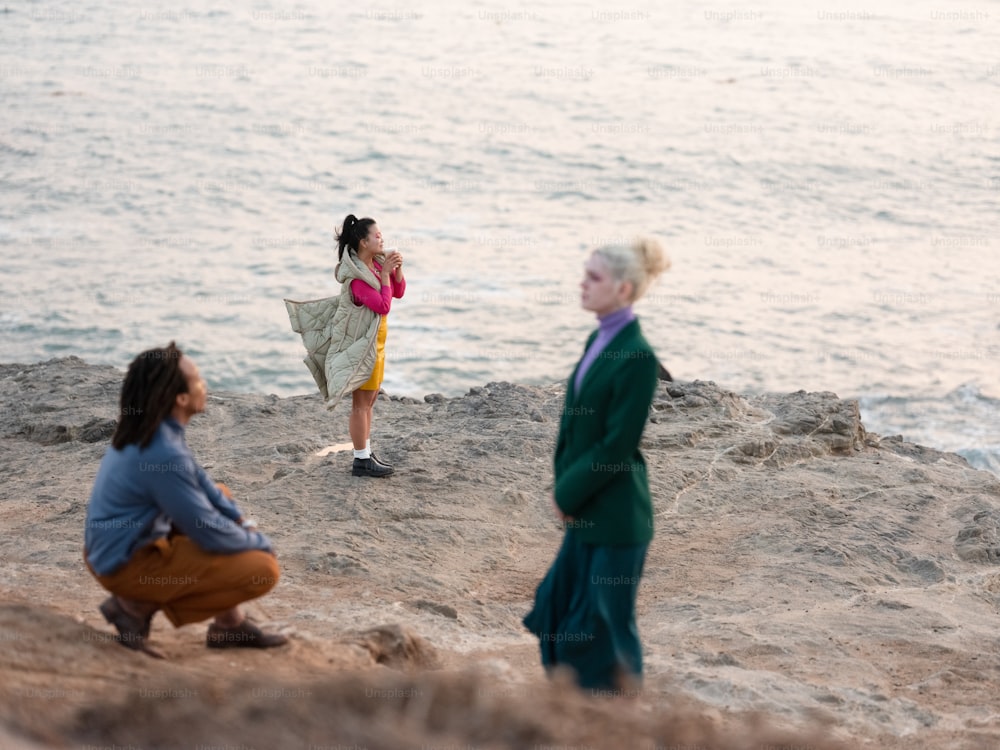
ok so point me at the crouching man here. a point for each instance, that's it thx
(160, 535)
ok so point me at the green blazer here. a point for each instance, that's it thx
(600, 475)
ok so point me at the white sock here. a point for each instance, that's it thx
(368, 446)
(363, 453)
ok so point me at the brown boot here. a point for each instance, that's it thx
(132, 630)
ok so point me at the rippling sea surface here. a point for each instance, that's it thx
(826, 178)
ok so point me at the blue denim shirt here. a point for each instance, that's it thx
(138, 493)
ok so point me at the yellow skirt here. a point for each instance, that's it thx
(378, 372)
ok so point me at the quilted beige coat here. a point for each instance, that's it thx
(339, 336)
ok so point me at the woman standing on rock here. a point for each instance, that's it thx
(584, 612)
(345, 334)
(355, 362)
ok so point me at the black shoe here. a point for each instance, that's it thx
(244, 635)
(380, 461)
(369, 467)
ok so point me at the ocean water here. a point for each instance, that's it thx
(825, 177)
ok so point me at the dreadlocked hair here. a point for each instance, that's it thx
(152, 383)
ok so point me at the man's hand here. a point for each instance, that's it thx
(247, 523)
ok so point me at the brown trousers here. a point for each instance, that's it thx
(190, 584)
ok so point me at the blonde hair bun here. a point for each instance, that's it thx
(639, 263)
(651, 256)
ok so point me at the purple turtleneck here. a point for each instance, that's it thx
(610, 325)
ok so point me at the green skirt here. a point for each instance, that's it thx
(584, 613)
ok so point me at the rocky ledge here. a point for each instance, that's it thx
(842, 584)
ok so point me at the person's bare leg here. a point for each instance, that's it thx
(365, 464)
(358, 424)
(369, 415)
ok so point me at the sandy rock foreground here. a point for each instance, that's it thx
(842, 585)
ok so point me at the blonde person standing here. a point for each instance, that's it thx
(584, 611)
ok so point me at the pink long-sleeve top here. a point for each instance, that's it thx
(377, 301)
